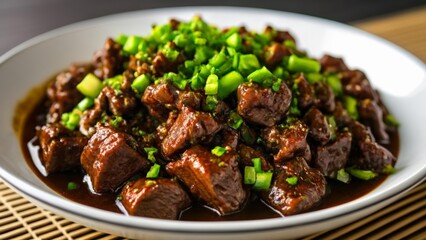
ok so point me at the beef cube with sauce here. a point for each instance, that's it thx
(109, 60)
(356, 84)
(319, 129)
(216, 181)
(190, 127)
(110, 159)
(60, 148)
(333, 156)
(155, 198)
(287, 143)
(296, 188)
(247, 154)
(261, 105)
(371, 114)
(369, 154)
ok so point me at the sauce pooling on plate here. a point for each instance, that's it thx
(196, 123)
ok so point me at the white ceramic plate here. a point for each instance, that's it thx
(400, 77)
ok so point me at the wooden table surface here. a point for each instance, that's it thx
(405, 219)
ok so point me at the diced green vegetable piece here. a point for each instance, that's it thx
(114, 82)
(132, 43)
(229, 83)
(391, 120)
(234, 40)
(257, 163)
(218, 59)
(235, 120)
(197, 82)
(247, 63)
(333, 126)
(362, 174)
(212, 85)
(90, 86)
(153, 171)
(72, 186)
(306, 65)
(249, 175)
(141, 83)
(170, 53)
(292, 180)
(389, 169)
(85, 104)
(218, 151)
(350, 104)
(343, 176)
(121, 39)
(335, 84)
(211, 103)
(263, 181)
(202, 53)
(181, 84)
(151, 151)
(260, 75)
(247, 134)
(290, 44)
(276, 86)
(181, 40)
(71, 120)
(314, 77)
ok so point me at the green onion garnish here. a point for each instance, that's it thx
(218, 151)
(153, 171)
(249, 175)
(90, 86)
(292, 180)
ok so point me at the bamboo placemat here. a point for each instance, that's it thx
(405, 219)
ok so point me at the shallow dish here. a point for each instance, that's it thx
(400, 78)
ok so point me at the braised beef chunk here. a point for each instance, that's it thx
(227, 138)
(60, 148)
(372, 156)
(263, 106)
(305, 192)
(119, 104)
(190, 99)
(274, 54)
(306, 94)
(324, 97)
(371, 115)
(341, 116)
(287, 143)
(160, 99)
(108, 61)
(333, 156)
(216, 181)
(161, 64)
(155, 198)
(319, 129)
(356, 84)
(190, 127)
(63, 93)
(330, 64)
(110, 159)
(247, 154)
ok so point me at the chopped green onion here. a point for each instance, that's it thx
(85, 104)
(350, 104)
(153, 171)
(72, 186)
(257, 163)
(249, 175)
(234, 40)
(90, 86)
(333, 126)
(343, 176)
(170, 53)
(150, 183)
(117, 120)
(132, 43)
(263, 181)
(276, 86)
(212, 84)
(389, 169)
(151, 151)
(247, 63)
(313, 77)
(362, 174)
(229, 83)
(218, 151)
(121, 39)
(260, 75)
(211, 103)
(141, 83)
(235, 120)
(218, 59)
(181, 40)
(306, 65)
(71, 120)
(335, 84)
(292, 180)
(391, 120)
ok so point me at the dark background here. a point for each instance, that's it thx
(22, 19)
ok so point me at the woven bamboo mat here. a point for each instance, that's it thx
(405, 219)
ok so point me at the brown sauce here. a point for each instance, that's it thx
(339, 193)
